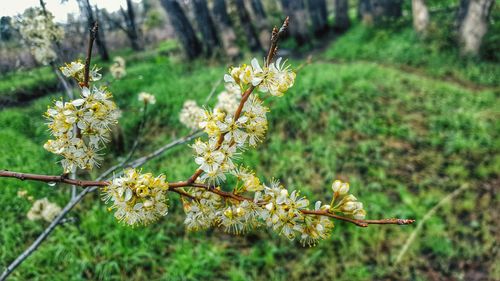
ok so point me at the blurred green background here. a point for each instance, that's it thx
(406, 120)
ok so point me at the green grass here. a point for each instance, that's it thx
(401, 46)
(403, 139)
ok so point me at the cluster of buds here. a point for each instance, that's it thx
(81, 126)
(137, 198)
(344, 202)
(39, 32)
(43, 209)
(117, 69)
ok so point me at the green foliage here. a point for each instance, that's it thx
(402, 138)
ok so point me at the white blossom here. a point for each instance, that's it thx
(137, 198)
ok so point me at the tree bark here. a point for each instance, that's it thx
(420, 16)
(295, 9)
(246, 23)
(206, 26)
(341, 13)
(183, 29)
(226, 31)
(318, 14)
(474, 25)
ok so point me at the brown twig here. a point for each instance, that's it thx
(55, 179)
(93, 33)
(274, 40)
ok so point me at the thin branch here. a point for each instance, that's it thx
(138, 136)
(93, 33)
(54, 179)
(361, 223)
(275, 35)
(212, 91)
(427, 216)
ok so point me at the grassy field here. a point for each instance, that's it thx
(404, 137)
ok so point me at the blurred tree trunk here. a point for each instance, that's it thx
(296, 10)
(261, 22)
(100, 38)
(246, 23)
(318, 14)
(131, 29)
(474, 24)
(206, 26)
(420, 16)
(183, 29)
(258, 9)
(341, 12)
(225, 26)
(374, 11)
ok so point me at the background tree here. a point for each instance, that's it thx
(246, 24)
(131, 29)
(206, 26)
(374, 11)
(100, 41)
(261, 22)
(341, 15)
(473, 24)
(183, 29)
(5, 28)
(318, 13)
(225, 26)
(296, 10)
(420, 16)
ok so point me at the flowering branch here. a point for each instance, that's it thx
(174, 187)
(72, 203)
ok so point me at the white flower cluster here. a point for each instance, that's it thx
(227, 136)
(117, 69)
(137, 198)
(81, 127)
(191, 115)
(43, 209)
(39, 32)
(275, 79)
(231, 129)
(146, 98)
(200, 213)
(229, 99)
(76, 70)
